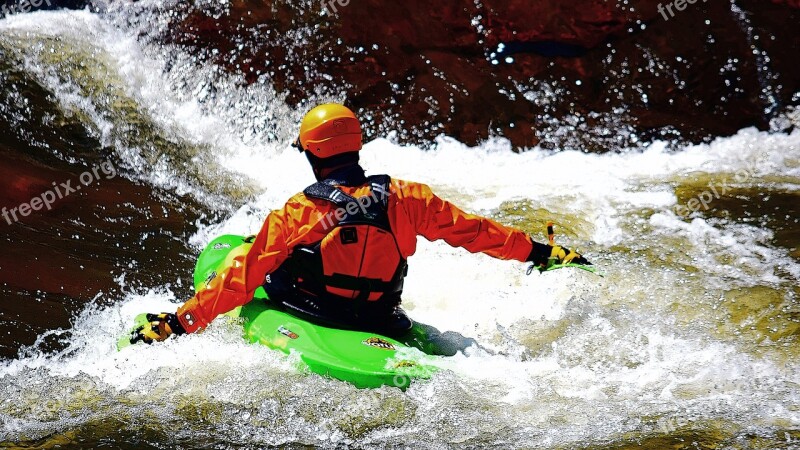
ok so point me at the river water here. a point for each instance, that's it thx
(689, 341)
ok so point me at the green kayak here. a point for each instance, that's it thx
(366, 360)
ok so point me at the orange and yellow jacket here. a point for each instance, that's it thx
(413, 210)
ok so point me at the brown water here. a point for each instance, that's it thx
(690, 340)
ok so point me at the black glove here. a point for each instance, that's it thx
(161, 326)
(544, 255)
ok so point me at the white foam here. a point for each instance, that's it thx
(594, 356)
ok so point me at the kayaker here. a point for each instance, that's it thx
(336, 253)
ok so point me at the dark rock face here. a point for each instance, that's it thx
(90, 239)
(56, 261)
(582, 74)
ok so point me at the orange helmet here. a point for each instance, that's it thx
(329, 130)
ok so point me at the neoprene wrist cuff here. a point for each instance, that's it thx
(175, 325)
(540, 253)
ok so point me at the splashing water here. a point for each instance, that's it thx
(691, 337)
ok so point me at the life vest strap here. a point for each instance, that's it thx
(324, 191)
(328, 191)
(361, 284)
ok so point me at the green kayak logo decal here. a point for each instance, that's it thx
(221, 245)
(378, 343)
(288, 333)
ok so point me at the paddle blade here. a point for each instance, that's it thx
(124, 341)
(588, 268)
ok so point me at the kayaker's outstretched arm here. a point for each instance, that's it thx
(435, 218)
(282, 230)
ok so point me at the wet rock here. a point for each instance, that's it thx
(89, 241)
(587, 75)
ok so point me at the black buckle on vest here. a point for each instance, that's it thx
(348, 235)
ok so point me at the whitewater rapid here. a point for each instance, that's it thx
(565, 359)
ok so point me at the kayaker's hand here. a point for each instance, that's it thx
(544, 255)
(161, 326)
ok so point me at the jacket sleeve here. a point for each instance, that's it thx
(236, 285)
(435, 218)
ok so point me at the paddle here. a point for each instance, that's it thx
(551, 265)
(138, 321)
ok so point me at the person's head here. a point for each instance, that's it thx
(330, 136)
